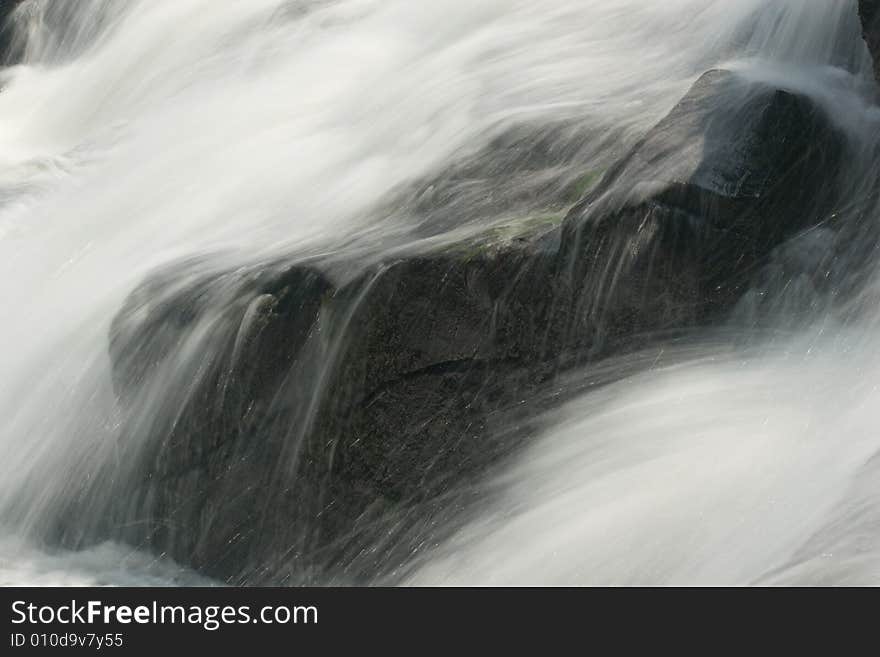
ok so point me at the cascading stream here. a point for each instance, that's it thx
(134, 135)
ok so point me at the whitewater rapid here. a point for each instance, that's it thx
(134, 134)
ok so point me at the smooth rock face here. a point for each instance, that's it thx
(307, 409)
(300, 427)
(8, 50)
(687, 216)
(869, 12)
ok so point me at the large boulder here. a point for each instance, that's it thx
(869, 12)
(311, 420)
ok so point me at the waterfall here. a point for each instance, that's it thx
(227, 135)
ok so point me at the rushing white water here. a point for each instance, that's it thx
(138, 132)
(726, 470)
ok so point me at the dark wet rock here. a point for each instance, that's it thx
(319, 414)
(869, 12)
(9, 47)
(300, 425)
(681, 225)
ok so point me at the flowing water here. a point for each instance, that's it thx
(135, 133)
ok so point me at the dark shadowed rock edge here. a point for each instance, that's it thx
(330, 426)
(869, 12)
(9, 48)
